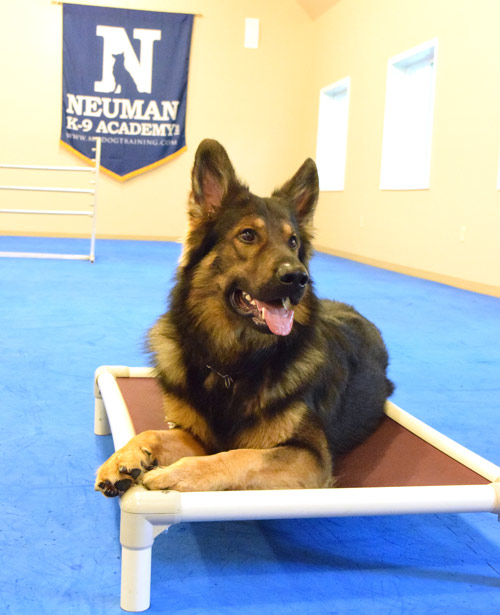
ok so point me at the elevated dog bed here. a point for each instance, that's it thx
(374, 479)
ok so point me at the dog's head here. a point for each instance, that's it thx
(247, 256)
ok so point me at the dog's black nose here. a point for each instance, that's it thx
(291, 274)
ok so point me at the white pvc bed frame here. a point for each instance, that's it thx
(145, 514)
(92, 212)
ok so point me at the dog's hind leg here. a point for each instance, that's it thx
(142, 453)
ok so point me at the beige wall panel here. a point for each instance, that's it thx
(417, 229)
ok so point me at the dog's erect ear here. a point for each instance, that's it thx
(302, 191)
(211, 176)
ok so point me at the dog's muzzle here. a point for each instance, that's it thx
(273, 310)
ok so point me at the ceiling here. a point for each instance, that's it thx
(315, 8)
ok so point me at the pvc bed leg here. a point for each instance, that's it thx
(137, 535)
(101, 422)
(136, 579)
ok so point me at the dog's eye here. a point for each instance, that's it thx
(293, 242)
(248, 235)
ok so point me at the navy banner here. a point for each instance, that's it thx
(125, 75)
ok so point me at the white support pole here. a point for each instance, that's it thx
(49, 212)
(69, 257)
(219, 506)
(37, 167)
(309, 503)
(48, 189)
(118, 417)
(135, 579)
(101, 423)
(97, 167)
(136, 537)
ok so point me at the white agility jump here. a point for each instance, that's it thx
(90, 212)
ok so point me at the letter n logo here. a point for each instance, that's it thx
(120, 63)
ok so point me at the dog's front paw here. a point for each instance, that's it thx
(124, 468)
(186, 474)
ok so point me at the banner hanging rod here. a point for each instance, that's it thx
(59, 3)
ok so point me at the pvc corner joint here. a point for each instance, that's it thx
(117, 371)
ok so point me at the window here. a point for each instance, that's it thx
(409, 111)
(332, 134)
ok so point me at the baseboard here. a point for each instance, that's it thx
(476, 287)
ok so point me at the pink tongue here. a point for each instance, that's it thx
(278, 319)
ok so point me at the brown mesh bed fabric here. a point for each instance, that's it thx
(391, 457)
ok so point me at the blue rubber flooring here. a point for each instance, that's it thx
(59, 543)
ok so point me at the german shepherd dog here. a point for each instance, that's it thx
(265, 383)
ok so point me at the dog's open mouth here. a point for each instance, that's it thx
(277, 315)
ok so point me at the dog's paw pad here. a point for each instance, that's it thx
(108, 489)
(123, 484)
(135, 473)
